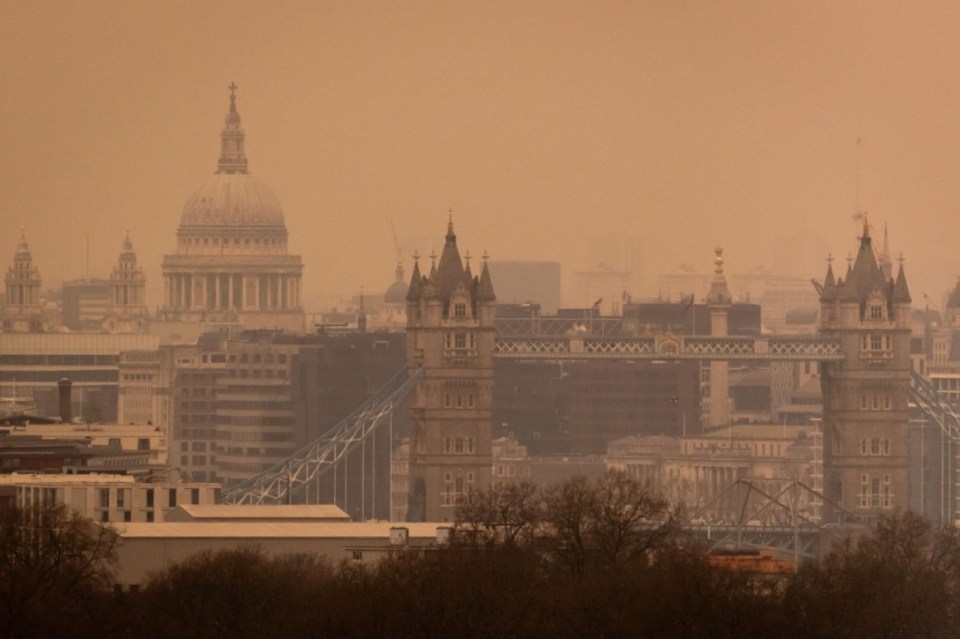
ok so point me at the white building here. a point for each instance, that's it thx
(107, 498)
(146, 548)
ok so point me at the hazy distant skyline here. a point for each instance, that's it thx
(541, 124)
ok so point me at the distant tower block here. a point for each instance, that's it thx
(719, 300)
(24, 308)
(865, 397)
(450, 333)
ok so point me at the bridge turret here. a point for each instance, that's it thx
(450, 334)
(865, 396)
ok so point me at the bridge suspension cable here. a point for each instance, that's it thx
(276, 484)
(935, 406)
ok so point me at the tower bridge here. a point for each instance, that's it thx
(453, 340)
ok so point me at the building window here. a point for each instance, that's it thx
(195, 496)
(173, 497)
(143, 444)
(876, 312)
(105, 516)
(120, 497)
(127, 516)
(149, 515)
(460, 340)
(149, 497)
(104, 497)
(459, 310)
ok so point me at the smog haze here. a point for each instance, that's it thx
(554, 131)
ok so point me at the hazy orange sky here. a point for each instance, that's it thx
(550, 128)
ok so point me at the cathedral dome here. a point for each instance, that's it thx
(232, 200)
(396, 294)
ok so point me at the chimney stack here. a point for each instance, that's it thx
(64, 385)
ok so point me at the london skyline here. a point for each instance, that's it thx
(548, 129)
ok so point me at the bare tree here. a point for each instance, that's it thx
(52, 557)
(503, 514)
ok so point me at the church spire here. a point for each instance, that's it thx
(232, 158)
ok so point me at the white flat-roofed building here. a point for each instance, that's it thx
(147, 548)
(257, 513)
(127, 437)
(107, 498)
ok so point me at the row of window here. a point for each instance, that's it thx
(875, 492)
(875, 446)
(206, 241)
(459, 445)
(455, 488)
(875, 402)
(458, 400)
(123, 497)
(60, 360)
(461, 340)
(138, 377)
(876, 342)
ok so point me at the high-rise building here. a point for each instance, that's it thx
(866, 396)
(231, 262)
(450, 335)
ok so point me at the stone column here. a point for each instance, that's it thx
(719, 300)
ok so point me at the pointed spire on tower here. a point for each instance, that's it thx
(416, 280)
(901, 292)
(232, 157)
(485, 287)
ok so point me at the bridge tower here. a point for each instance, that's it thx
(450, 334)
(865, 396)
